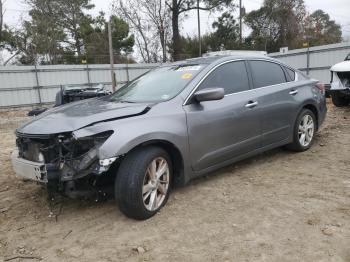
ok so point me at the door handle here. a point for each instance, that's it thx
(251, 104)
(293, 92)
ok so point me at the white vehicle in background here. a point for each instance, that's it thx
(340, 83)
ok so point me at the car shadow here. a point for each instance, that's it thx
(273, 155)
(60, 205)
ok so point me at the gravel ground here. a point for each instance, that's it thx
(279, 206)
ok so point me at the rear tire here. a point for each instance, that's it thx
(304, 131)
(339, 100)
(140, 194)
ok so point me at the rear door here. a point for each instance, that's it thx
(277, 91)
(221, 130)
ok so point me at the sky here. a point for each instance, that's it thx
(339, 10)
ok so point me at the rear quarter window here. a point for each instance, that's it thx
(290, 74)
(347, 58)
(266, 73)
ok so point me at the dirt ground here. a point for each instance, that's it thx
(279, 206)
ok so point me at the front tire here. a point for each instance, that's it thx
(339, 100)
(304, 131)
(143, 182)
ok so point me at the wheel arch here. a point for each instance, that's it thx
(314, 110)
(174, 153)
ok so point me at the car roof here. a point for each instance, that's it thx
(220, 58)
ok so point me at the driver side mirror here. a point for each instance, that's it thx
(209, 94)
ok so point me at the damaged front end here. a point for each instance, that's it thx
(341, 81)
(340, 77)
(62, 161)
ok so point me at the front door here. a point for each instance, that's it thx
(224, 129)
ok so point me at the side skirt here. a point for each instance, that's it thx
(239, 158)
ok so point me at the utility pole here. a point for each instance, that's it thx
(307, 58)
(199, 30)
(111, 57)
(240, 21)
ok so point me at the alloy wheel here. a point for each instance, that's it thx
(156, 184)
(306, 130)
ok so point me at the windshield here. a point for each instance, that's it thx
(158, 85)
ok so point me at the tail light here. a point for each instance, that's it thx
(322, 87)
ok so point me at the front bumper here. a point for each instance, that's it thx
(42, 173)
(345, 92)
(337, 86)
(28, 169)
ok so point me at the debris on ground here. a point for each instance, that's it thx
(139, 250)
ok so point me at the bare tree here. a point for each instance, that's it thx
(131, 13)
(158, 15)
(1, 18)
(181, 7)
(150, 22)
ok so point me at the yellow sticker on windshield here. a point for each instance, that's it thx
(187, 76)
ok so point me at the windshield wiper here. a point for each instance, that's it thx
(121, 101)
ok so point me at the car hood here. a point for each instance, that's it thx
(341, 67)
(80, 114)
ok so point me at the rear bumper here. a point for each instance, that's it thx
(28, 169)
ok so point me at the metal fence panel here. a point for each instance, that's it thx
(30, 85)
(58, 75)
(322, 58)
(15, 77)
(48, 95)
(18, 97)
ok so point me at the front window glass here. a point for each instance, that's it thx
(158, 85)
(232, 77)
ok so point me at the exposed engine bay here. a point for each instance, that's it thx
(340, 83)
(66, 158)
(72, 148)
(344, 78)
(340, 75)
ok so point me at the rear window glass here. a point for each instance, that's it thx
(266, 73)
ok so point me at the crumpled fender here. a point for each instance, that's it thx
(131, 132)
